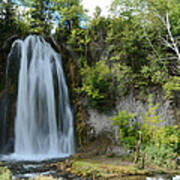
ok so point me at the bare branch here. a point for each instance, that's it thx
(174, 44)
(170, 41)
(169, 58)
(150, 43)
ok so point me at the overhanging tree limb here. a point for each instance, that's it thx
(170, 41)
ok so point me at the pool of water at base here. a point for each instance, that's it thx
(27, 175)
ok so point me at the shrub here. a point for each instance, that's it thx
(160, 155)
(171, 86)
(128, 130)
(97, 86)
(167, 136)
(151, 121)
(160, 143)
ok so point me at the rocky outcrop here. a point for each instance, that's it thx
(3, 123)
(132, 103)
(7, 116)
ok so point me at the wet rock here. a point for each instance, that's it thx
(3, 123)
(57, 168)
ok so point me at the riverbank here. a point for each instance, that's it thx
(83, 166)
(104, 167)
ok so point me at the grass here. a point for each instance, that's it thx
(102, 167)
(91, 168)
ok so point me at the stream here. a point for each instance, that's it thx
(31, 169)
(156, 177)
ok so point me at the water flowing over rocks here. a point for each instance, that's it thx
(44, 121)
(32, 169)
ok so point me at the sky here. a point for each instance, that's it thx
(90, 5)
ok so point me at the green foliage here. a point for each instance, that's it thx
(71, 16)
(128, 131)
(155, 133)
(172, 86)
(151, 121)
(122, 43)
(161, 156)
(126, 45)
(7, 16)
(96, 85)
(140, 44)
(124, 78)
(167, 136)
(39, 15)
(132, 49)
(78, 42)
(42, 14)
(160, 143)
(154, 73)
(71, 12)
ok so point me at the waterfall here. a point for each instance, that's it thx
(44, 121)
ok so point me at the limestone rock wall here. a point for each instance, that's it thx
(132, 103)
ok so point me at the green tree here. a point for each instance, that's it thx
(7, 16)
(71, 16)
(40, 15)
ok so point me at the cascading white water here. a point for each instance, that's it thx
(44, 121)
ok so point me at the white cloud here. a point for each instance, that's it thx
(90, 5)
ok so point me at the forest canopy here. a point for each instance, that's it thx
(136, 47)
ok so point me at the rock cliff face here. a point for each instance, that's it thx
(7, 115)
(3, 124)
(100, 122)
(8, 95)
